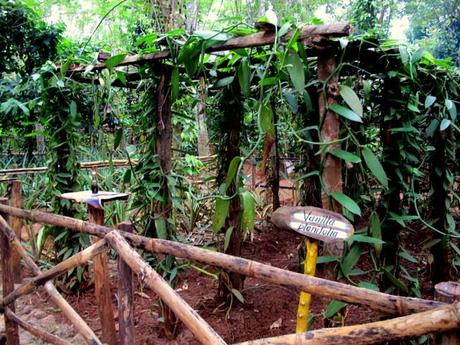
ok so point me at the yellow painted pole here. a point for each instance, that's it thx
(303, 310)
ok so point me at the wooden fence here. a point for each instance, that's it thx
(416, 316)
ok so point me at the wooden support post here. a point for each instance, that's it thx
(34, 330)
(16, 223)
(204, 333)
(52, 292)
(102, 285)
(448, 292)
(126, 327)
(330, 130)
(11, 328)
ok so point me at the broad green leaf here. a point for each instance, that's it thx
(325, 259)
(174, 83)
(395, 281)
(333, 308)
(375, 167)
(249, 211)
(244, 75)
(291, 100)
(224, 81)
(405, 255)
(350, 260)
(212, 35)
(445, 123)
(296, 70)
(351, 98)
(221, 213)
(376, 231)
(452, 109)
(160, 227)
(73, 109)
(345, 112)
(266, 120)
(118, 137)
(369, 286)
(282, 31)
(365, 239)
(232, 168)
(122, 77)
(431, 243)
(346, 202)
(115, 60)
(429, 101)
(227, 237)
(347, 156)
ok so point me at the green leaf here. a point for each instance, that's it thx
(228, 236)
(249, 211)
(296, 70)
(174, 83)
(333, 308)
(73, 109)
(375, 167)
(122, 77)
(232, 168)
(160, 228)
(445, 123)
(221, 213)
(345, 112)
(282, 31)
(266, 120)
(224, 81)
(376, 231)
(405, 255)
(369, 286)
(118, 137)
(452, 109)
(429, 101)
(365, 239)
(395, 281)
(351, 98)
(347, 202)
(347, 156)
(291, 100)
(115, 60)
(244, 75)
(325, 259)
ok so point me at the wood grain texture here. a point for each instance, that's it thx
(102, 285)
(203, 332)
(375, 300)
(55, 297)
(440, 319)
(16, 223)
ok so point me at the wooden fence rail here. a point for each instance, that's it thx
(432, 316)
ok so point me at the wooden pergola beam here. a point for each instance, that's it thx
(254, 40)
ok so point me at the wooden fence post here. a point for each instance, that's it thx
(330, 130)
(11, 328)
(448, 292)
(16, 223)
(102, 285)
(126, 328)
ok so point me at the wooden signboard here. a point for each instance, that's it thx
(95, 200)
(313, 222)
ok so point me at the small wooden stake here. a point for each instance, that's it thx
(126, 329)
(102, 284)
(11, 328)
(16, 224)
(448, 292)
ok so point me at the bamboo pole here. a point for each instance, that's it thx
(11, 328)
(254, 40)
(203, 332)
(83, 166)
(303, 310)
(102, 284)
(16, 224)
(76, 320)
(127, 332)
(61, 268)
(440, 319)
(36, 331)
(373, 299)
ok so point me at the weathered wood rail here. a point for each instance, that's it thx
(422, 316)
